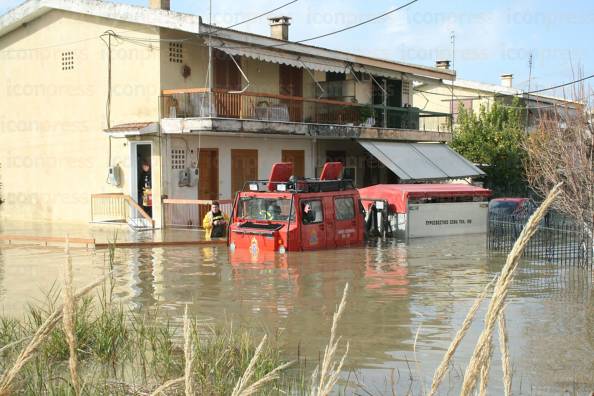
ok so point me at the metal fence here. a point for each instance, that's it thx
(556, 239)
(189, 213)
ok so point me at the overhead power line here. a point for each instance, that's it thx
(255, 17)
(333, 32)
(499, 94)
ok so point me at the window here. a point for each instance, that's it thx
(344, 208)
(68, 60)
(176, 52)
(316, 212)
(252, 208)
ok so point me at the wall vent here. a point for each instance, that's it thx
(178, 159)
(176, 52)
(68, 60)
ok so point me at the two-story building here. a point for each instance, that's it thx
(91, 90)
(451, 96)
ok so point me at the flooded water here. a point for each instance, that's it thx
(397, 292)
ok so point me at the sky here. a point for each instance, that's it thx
(491, 37)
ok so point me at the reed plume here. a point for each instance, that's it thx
(482, 351)
(443, 367)
(504, 349)
(42, 333)
(69, 320)
(188, 354)
(330, 368)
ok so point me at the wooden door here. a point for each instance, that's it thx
(244, 167)
(226, 78)
(291, 84)
(297, 157)
(208, 179)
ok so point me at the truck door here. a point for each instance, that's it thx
(345, 213)
(330, 222)
(313, 231)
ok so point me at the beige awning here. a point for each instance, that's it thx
(285, 58)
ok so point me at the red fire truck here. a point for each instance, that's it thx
(284, 213)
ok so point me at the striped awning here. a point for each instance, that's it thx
(280, 57)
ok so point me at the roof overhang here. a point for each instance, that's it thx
(374, 65)
(32, 9)
(421, 161)
(266, 46)
(133, 129)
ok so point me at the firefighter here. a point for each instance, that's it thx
(215, 222)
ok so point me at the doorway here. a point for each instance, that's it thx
(297, 157)
(141, 173)
(291, 84)
(208, 177)
(244, 167)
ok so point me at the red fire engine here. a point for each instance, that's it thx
(284, 213)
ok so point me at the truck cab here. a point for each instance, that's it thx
(284, 213)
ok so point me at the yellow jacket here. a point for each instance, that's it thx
(207, 223)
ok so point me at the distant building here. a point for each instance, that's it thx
(92, 89)
(450, 96)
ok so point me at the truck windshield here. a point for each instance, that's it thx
(275, 209)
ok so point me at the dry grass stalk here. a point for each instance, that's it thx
(68, 319)
(330, 369)
(482, 351)
(485, 375)
(505, 359)
(242, 388)
(6, 382)
(167, 385)
(188, 354)
(443, 367)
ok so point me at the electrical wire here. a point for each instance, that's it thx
(333, 32)
(499, 94)
(256, 17)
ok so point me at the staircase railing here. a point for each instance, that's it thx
(117, 208)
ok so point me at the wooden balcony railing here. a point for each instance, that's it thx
(195, 103)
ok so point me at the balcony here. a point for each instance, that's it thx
(193, 110)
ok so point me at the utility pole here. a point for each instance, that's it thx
(210, 79)
(453, 42)
(528, 94)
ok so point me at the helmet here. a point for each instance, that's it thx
(274, 208)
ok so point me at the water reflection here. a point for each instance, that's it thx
(397, 291)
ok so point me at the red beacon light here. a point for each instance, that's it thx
(286, 213)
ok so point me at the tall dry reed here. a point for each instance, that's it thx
(242, 388)
(330, 368)
(188, 354)
(443, 367)
(482, 351)
(42, 333)
(161, 389)
(68, 313)
(504, 350)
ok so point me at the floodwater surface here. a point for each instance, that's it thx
(398, 294)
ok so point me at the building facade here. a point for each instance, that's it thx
(93, 90)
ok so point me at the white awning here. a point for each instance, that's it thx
(376, 71)
(421, 161)
(270, 55)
